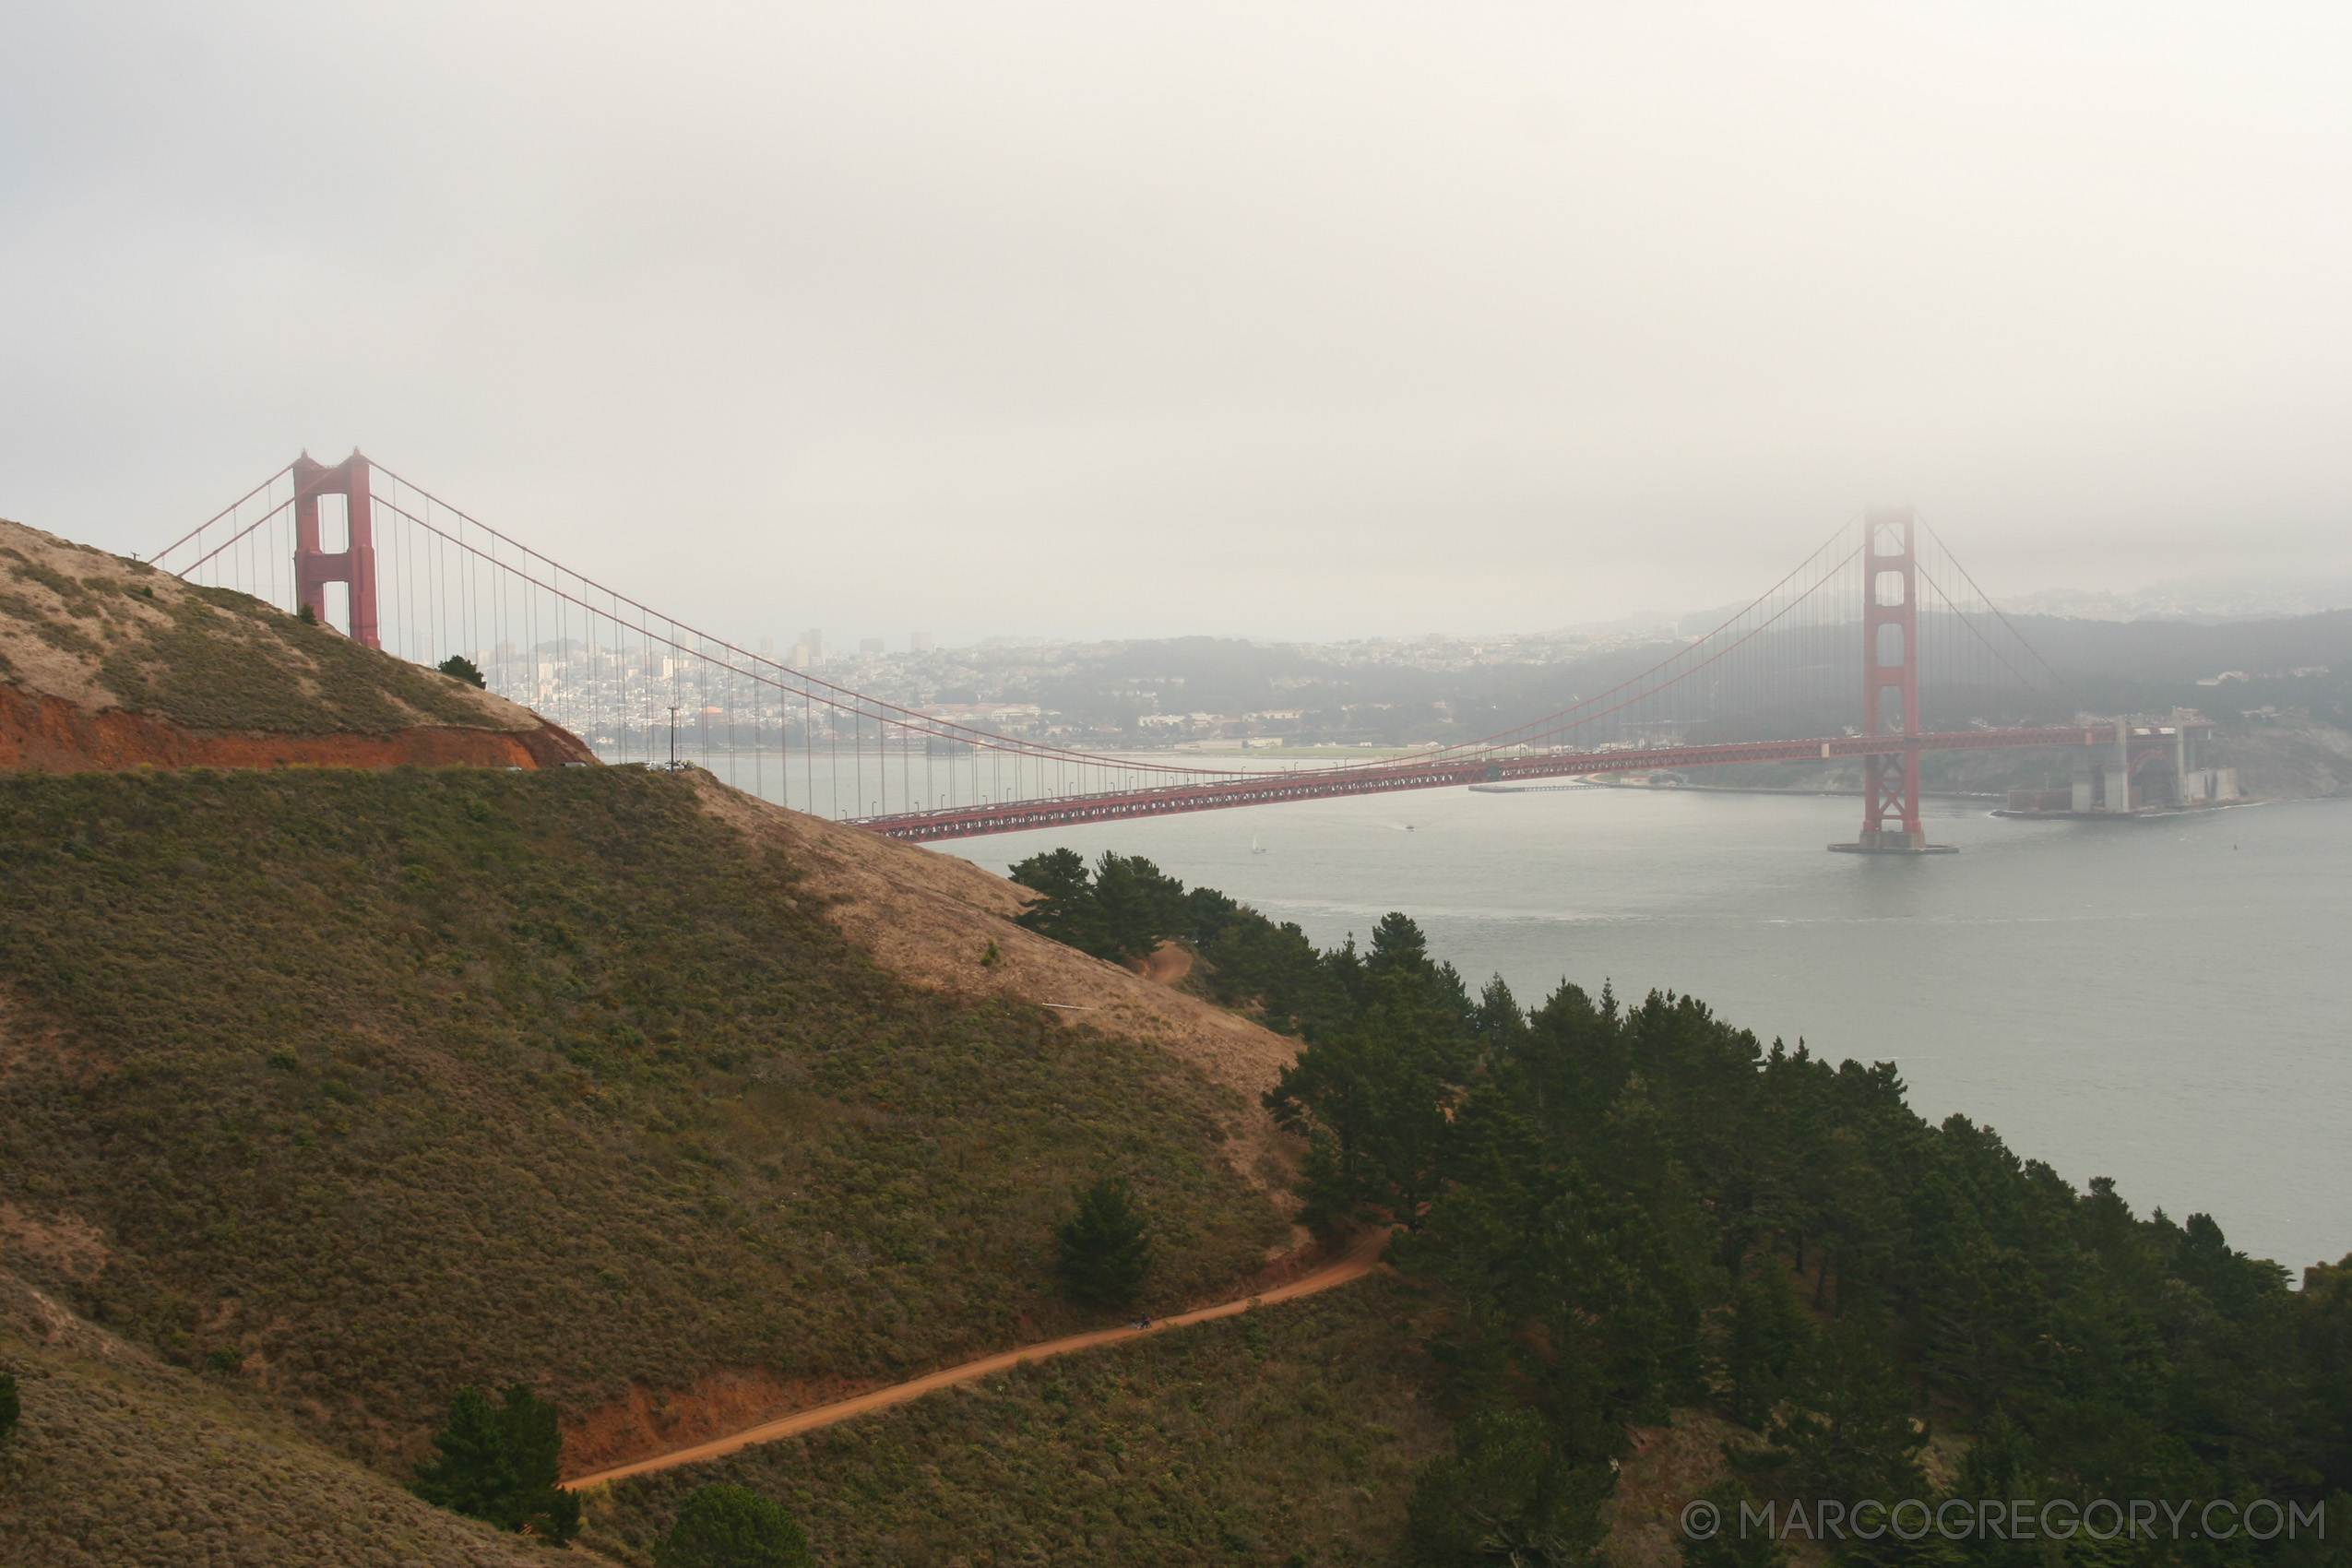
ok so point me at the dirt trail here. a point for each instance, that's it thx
(1359, 1262)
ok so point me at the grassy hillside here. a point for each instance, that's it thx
(117, 1461)
(1289, 1434)
(104, 632)
(370, 1084)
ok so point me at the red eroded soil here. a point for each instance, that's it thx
(729, 1400)
(51, 735)
(1168, 966)
(1307, 1272)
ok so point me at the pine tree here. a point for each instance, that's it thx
(1106, 1252)
(1497, 1023)
(472, 1476)
(501, 1464)
(1767, 1346)
(1065, 909)
(535, 1453)
(1852, 1434)
(1137, 905)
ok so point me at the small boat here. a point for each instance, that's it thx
(1256, 848)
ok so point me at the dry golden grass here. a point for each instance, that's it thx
(928, 918)
(104, 632)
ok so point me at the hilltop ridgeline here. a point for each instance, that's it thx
(106, 662)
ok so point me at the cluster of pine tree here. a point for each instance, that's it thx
(1622, 1211)
(1618, 1212)
(1125, 907)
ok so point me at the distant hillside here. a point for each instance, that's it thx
(2286, 723)
(2299, 669)
(109, 663)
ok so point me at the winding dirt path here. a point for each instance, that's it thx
(1358, 1262)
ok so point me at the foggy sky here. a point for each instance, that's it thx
(1281, 320)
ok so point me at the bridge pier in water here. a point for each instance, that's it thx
(1891, 687)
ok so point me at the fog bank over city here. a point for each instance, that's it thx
(1293, 322)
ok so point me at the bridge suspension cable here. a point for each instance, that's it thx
(400, 568)
(627, 678)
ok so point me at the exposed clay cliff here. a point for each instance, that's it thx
(109, 663)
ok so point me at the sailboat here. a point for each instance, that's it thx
(1256, 848)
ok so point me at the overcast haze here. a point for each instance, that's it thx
(1277, 320)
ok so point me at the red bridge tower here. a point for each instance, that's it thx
(353, 564)
(1891, 687)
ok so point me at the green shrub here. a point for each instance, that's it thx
(223, 661)
(1106, 1252)
(457, 667)
(502, 1465)
(733, 1526)
(9, 1408)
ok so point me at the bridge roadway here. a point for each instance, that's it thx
(1315, 784)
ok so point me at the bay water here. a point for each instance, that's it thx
(2167, 1001)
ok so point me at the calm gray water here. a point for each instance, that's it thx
(2164, 1002)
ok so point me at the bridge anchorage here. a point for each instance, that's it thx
(2152, 764)
(1942, 671)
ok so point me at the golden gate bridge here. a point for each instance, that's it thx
(1877, 647)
